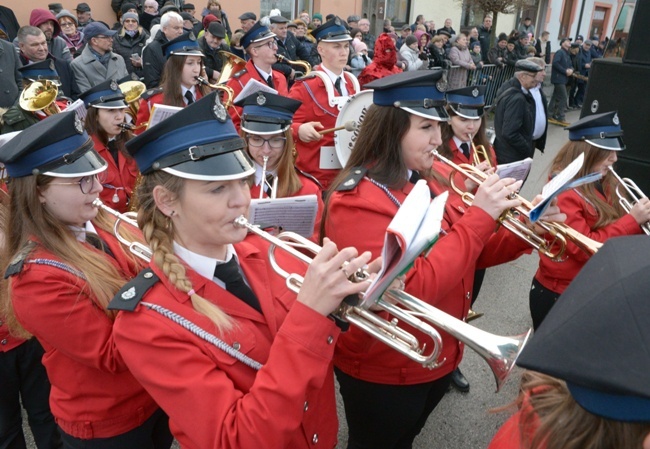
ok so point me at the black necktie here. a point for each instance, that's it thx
(268, 185)
(112, 148)
(415, 177)
(97, 242)
(337, 86)
(465, 149)
(269, 81)
(229, 274)
(190, 97)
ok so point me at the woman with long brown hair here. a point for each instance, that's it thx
(592, 209)
(104, 123)
(179, 85)
(251, 360)
(64, 265)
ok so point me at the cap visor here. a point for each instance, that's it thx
(115, 104)
(187, 53)
(337, 38)
(222, 167)
(618, 407)
(88, 164)
(468, 113)
(612, 143)
(435, 113)
(263, 128)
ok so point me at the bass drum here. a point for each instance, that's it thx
(354, 110)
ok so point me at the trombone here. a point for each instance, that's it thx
(499, 352)
(559, 232)
(631, 196)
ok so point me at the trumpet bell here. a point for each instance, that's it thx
(230, 64)
(39, 96)
(132, 91)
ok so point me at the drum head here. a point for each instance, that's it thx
(354, 110)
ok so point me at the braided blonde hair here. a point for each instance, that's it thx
(159, 234)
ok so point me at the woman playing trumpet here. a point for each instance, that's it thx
(395, 146)
(105, 125)
(179, 86)
(244, 391)
(266, 126)
(63, 266)
(592, 209)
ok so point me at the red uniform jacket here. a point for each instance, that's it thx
(359, 217)
(309, 187)
(315, 108)
(147, 103)
(120, 178)
(215, 401)
(93, 394)
(241, 78)
(581, 216)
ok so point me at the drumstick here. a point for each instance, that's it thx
(348, 126)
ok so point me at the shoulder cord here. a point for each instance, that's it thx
(386, 191)
(316, 102)
(59, 265)
(204, 335)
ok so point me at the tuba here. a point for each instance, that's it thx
(230, 64)
(499, 352)
(40, 96)
(132, 91)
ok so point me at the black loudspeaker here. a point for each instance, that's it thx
(616, 86)
(638, 51)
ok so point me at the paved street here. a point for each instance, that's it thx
(466, 421)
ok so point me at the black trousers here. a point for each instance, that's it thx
(479, 275)
(23, 377)
(541, 300)
(152, 434)
(387, 416)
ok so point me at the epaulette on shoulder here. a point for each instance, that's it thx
(306, 77)
(241, 73)
(356, 175)
(309, 176)
(133, 291)
(16, 264)
(151, 92)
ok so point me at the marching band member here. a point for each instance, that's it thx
(104, 122)
(261, 47)
(322, 93)
(213, 308)
(60, 284)
(388, 397)
(592, 209)
(178, 85)
(266, 126)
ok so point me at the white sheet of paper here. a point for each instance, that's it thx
(253, 86)
(296, 214)
(518, 169)
(160, 112)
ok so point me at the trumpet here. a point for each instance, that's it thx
(230, 94)
(559, 232)
(479, 154)
(138, 249)
(306, 68)
(631, 196)
(499, 352)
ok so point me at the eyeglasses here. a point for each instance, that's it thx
(271, 44)
(66, 24)
(274, 142)
(86, 183)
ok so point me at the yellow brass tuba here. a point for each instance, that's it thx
(499, 352)
(40, 96)
(230, 64)
(132, 91)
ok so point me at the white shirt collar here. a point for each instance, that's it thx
(458, 142)
(80, 232)
(202, 264)
(265, 75)
(185, 89)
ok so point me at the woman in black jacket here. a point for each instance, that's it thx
(129, 42)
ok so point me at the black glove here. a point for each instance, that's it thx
(423, 56)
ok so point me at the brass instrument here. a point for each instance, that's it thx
(273, 187)
(499, 352)
(631, 196)
(306, 68)
(230, 64)
(138, 249)
(40, 96)
(132, 91)
(479, 154)
(559, 232)
(230, 94)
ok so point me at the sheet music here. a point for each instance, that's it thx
(160, 112)
(296, 214)
(79, 108)
(253, 86)
(518, 169)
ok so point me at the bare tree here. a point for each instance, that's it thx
(494, 7)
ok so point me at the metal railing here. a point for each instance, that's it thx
(489, 75)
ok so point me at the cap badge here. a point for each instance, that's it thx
(475, 93)
(78, 125)
(615, 119)
(442, 83)
(114, 85)
(129, 294)
(337, 22)
(261, 99)
(218, 110)
(192, 37)
(594, 106)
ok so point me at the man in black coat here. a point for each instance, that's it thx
(212, 43)
(514, 119)
(10, 78)
(562, 69)
(153, 59)
(289, 47)
(484, 32)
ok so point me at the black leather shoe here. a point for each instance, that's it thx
(459, 381)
